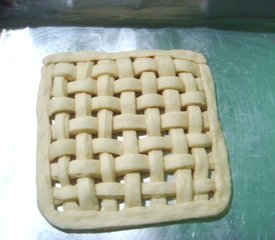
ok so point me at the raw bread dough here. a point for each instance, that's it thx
(129, 139)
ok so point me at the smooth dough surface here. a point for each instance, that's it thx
(129, 139)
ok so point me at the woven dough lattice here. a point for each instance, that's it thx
(128, 139)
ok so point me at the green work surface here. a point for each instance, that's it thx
(243, 67)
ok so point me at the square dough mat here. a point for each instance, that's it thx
(129, 139)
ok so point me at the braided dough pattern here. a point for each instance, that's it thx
(128, 139)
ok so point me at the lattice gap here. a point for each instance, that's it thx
(119, 138)
(57, 185)
(121, 206)
(96, 156)
(170, 178)
(142, 136)
(210, 196)
(172, 201)
(52, 122)
(210, 173)
(94, 113)
(60, 209)
(165, 133)
(183, 109)
(71, 95)
(147, 203)
(146, 179)
(122, 181)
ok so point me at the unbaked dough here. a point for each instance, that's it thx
(129, 139)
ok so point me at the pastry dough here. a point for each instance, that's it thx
(129, 139)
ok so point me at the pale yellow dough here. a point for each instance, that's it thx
(129, 139)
